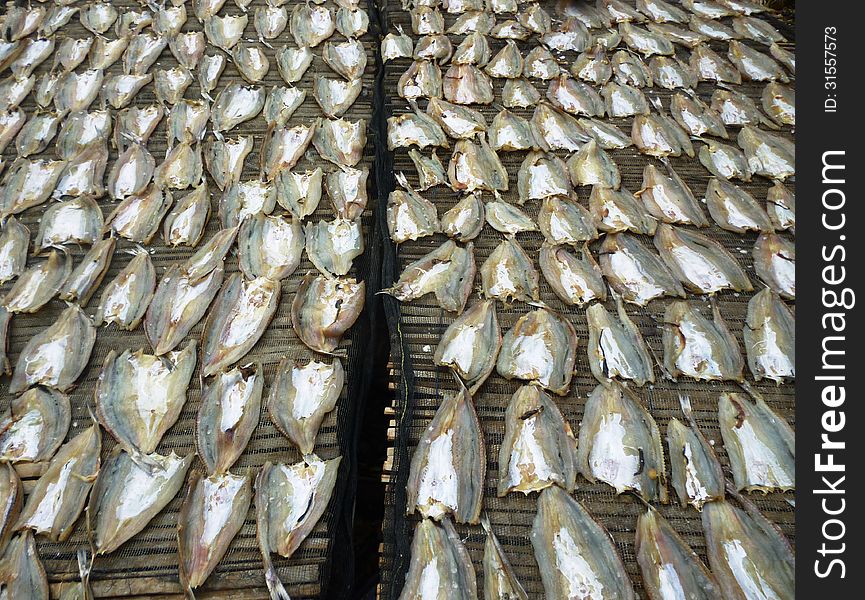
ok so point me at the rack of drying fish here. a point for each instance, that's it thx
(184, 207)
(589, 260)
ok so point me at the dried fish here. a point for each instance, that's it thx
(170, 84)
(700, 263)
(724, 162)
(83, 176)
(11, 122)
(519, 93)
(212, 513)
(541, 347)
(280, 105)
(541, 64)
(734, 209)
(181, 169)
(571, 35)
(71, 52)
(510, 132)
(347, 59)
(564, 221)
(28, 183)
(699, 348)
(559, 130)
(576, 554)
(779, 102)
(301, 397)
(575, 97)
(440, 564)
(311, 25)
(132, 22)
(574, 280)
(131, 172)
(760, 444)
(638, 275)
(136, 125)
(507, 63)
(709, 66)
(754, 65)
(510, 30)
(142, 52)
(34, 52)
(430, 170)
(471, 343)
(607, 135)
(473, 21)
(631, 70)
(34, 427)
(299, 193)
(476, 166)
(293, 63)
(467, 84)
(14, 240)
(645, 42)
(119, 90)
(500, 581)
(5, 365)
(11, 498)
(139, 396)
(396, 45)
(786, 58)
(225, 32)
(410, 216)
(235, 104)
(775, 263)
(592, 166)
(210, 68)
(270, 21)
(137, 218)
(696, 117)
(56, 17)
(87, 276)
(332, 245)
(105, 52)
(465, 220)
(669, 199)
(781, 207)
(769, 155)
(244, 199)
(618, 210)
(507, 218)
(447, 271)
(542, 175)
(616, 347)
(54, 504)
(126, 298)
(423, 79)
(269, 246)
(187, 121)
(325, 308)
(37, 133)
(210, 255)
(225, 158)
(187, 48)
(671, 73)
(661, 12)
(340, 141)
(695, 472)
(184, 225)
(21, 572)
(177, 306)
(593, 66)
(36, 286)
(335, 96)
(509, 274)
(458, 122)
(13, 90)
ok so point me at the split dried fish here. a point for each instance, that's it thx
(332, 245)
(754, 65)
(575, 97)
(225, 159)
(571, 35)
(225, 32)
(507, 218)
(300, 398)
(21, 572)
(235, 104)
(575, 553)
(181, 169)
(14, 241)
(670, 568)
(77, 221)
(473, 21)
(510, 30)
(564, 221)
(299, 193)
(509, 132)
(734, 209)
(757, 30)
(423, 79)
(188, 48)
(210, 68)
(237, 321)
(467, 84)
(709, 66)
(119, 90)
(769, 155)
(471, 343)
(13, 90)
(11, 122)
(541, 347)
(607, 135)
(695, 472)
(440, 564)
(448, 272)
(785, 57)
(672, 73)
(84, 174)
(661, 12)
(593, 66)
(699, 348)
(779, 102)
(293, 63)
(137, 218)
(699, 262)
(712, 28)
(170, 84)
(46, 91)
(696, 117)
(87, 276)
(748, 554)
(270, 21)
(244, 199)
(37, 133)
(132, 22)
(211, 255)
(105, 52)
(669, 199)
(631, 70)
(5, 365)
(538, 449)
(540, 64)
(542, 175)
(448, 465)
(212, 513)
(575, 280)
(509, 274)
(616, 347)
(54, 504)
(185, 224)
(759, 443)
(519, 93)
(775, 263)
(126, 298)
(473, 50)
(347, 59)
(781, 207)
(507, 63)
(396, 45)
(33, 427)
(311, 25)
(71, 52)
(36, 286)
(325, 308)
(559, 129)
(178, 305)
(11, 498)
(429, 49)
(410, 216)
(136, 124)
(458, 122)
(131, 172)
(269, 246)
(140, 396)
(127, 496)
(142, 52)
(340, 141)
(500, 581)
(227, 416)
(724, 162)
(476, 166)
(335, 96)
(634, 272)
(465, 220)
(592, 166)
(34, 52)
(619, 210)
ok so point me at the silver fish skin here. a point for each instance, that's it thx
(244, 199)
(754, 65)
(748, 554)
(476, 166)
(448, 272)
(299, 192)
(204, 9)
(471, 344)
(177, 306)
(20, 21)
(37, 133)
(781, 207)
(473, 50)
(335, 96)
(187, 121)
(170, 84)
(500, 581)
(622, 100)
(467, 84)
(593, 17)
(84, 174)
(709, 66)
(670, 568)
(300, 398)
(410, 216)
(235, 104)
(227, 416)
(28, 183)
(542, 175)
(269, 246)
(127, 496)
(14, 241)
(430, 171)
(620, 444)
(575, 280)
(509, 132)
(757, 30)
(541, 347)
(225, 159)
(135, 125)
(86, 277)
(80, 131)
(519, 93)
(712, 28)
(240, 314)
(225, 32)
(11, 122)
(575, 553)
(698, 348)
(661, 12)
(591, 165)
(558, 129)
(269, 22)
(458, 122)
(540, 64)
(105, 52)
(56, 17)
(351, 22)
(634, 272)
(188, 48)
(181, 169)
(56, 356)
(133, 22)
(414, 129)
(140, 396)
(325, 308)
(785, 57)
(659, 137)
(507, 63)
(438, 555)
(616, 348)
(742, 7)
(669, 199)
(332, 246)
(142, 52)
(46, 91)
(619, 12)
(71, 52)
(465, 220)
(564, 221)
(211, 254)
(430, 51)
(137, 218)
(55, 503)
(210, 68)
(769, 155)
(507, 218)
(539, 449)
(606, 135)
(760, 444)
(695, 472)
(184, 224)
(593, 66)
(474, 21)
(219, 504)
(672, 73)
(11, 498)
(36, 286)
(724, 162)
(509, 274)
(21, 572)
(779, 102)
(775, 263)
(119, 90)
(645, 41)
(619, 210)
(125, 299)
(98, 17)
(396, 45)
(449, 463)
(631, 70)
(292, 63)
(280, 105)
(35, 51)
(251, 62)
(34, 426)
(696, 117)
(570, 35)
(131, 172)
(700, 263)
(340, 141)
(734, 209)
(311, 25)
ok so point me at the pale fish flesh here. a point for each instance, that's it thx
(634, 272)
(325, 308)
(448, 272)
(269, 246)
(34, 426)
(126, 297)
(576, 280)
(770, 337)
(699, 348)
(616, 347)
(695, 472)
(440, 567)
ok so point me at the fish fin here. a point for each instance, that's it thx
(685, 403)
